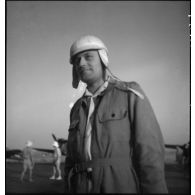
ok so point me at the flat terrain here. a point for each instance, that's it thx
(41, 183)
(178, 180)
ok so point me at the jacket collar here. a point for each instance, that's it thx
(111, 84)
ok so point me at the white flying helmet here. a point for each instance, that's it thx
(55, 144)
(83, 44)
(29, 143)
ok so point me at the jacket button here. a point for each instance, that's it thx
(113, 115)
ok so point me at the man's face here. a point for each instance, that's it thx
(88, 66)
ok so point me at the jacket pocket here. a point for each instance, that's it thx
(112, 115)
(115, 126)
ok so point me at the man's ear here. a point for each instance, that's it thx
(75, 78)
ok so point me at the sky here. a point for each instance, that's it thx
(148, 42)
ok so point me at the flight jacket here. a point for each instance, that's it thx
(127, 145)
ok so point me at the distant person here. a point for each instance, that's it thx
(56, 162)
(186, 157)
(28, 162)
(115, 143)
(186, 152)
(179, 155)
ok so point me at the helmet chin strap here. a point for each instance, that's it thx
(112, 75)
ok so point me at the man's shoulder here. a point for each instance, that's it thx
(76, 105)
(129, 87)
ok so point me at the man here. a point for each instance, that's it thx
(56, 162)
(186, 153)
(179, 155)
(186, 158)
(114, 144)
(28, 163)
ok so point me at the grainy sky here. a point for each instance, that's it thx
(148, 42)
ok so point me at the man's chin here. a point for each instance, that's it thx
(86, 80)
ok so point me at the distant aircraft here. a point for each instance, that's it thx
(13, 153)
(173, 146)
(182, 152)
(16, 153)
(62, 145)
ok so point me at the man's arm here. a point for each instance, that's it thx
(68, 166)
(148, 144)
(31, 158)
(69, 161)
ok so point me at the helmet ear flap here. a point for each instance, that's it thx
(75, 78)
(103, 56)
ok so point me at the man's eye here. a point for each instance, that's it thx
(88, 57)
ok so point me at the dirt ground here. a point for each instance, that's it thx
(178, 180)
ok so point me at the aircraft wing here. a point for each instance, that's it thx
(43, 150)
(62, 144)
(172, 146)
(63, 149)
(54, 137)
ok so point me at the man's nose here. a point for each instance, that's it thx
(82, 61)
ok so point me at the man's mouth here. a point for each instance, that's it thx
(83, 70)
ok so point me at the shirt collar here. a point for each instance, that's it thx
(99, 91)
(110, 84)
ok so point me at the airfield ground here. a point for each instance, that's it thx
(178, 181)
